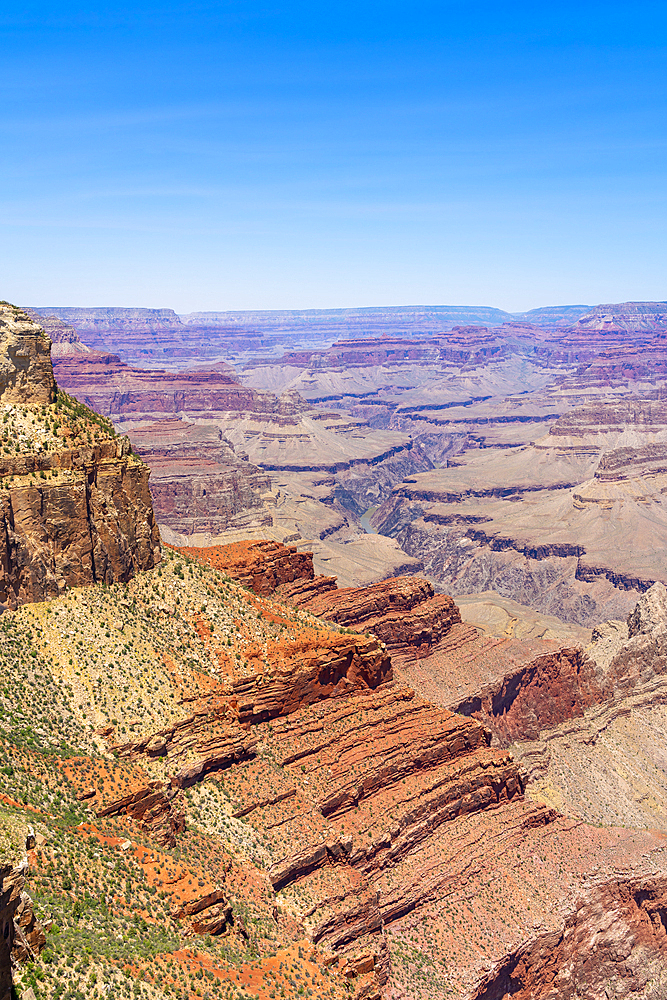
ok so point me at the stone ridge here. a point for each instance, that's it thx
(26, 372)
(263, 566)
(403, 612)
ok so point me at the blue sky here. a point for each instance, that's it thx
(253, 155)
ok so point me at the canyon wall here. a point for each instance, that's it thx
(74, 505)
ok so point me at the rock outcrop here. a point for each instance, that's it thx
(263, 566)
(74, 504)
(26, 373)
(613, 945)
(198, 481)
(403, 612)
(21, 935)
(65, 341)
(547, 691)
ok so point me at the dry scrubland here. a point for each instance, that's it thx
(122, 657)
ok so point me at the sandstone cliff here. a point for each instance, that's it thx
(74, 500)
(26, 374)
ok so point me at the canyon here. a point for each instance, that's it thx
(404, 448)
(440, 771)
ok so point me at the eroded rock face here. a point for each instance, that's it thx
(12, 880)
(543, 693)
(90, 519)
(21, 935)
(650, 611)
(404, 611)
(74, 501)
(198, 481)
(26, 374)
(613, 945)
(262, 565)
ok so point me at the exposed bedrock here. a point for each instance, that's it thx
(403, 612)
(91, 522)
(261, 565)
(26, 373)
(198, 482)
(380, 775)
(75, 506)
(21, 934)
(634, 654)
(369, 484)
(613, 945)
(543, 693)
(623, 660)
(547, 523)
(546, 581)
(109, 386)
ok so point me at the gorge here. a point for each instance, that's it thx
(382, 713)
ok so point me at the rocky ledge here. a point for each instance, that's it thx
(403, 612)
(21, 935)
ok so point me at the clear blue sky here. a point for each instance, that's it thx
(235, 155)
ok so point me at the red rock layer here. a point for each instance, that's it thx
(548, 690)
(404, 611)
(366, 784)
(614, 944)
(263, 565)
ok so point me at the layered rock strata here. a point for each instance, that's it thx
(75, 506)
(261, 565)
(198, 481)
(403, 612)
(546, 524)
(26, 373)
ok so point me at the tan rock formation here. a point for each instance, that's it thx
(74, 502)
(26, 374)
(198, 482)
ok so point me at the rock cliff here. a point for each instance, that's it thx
(74, 500)
(26, 373)
(403, 612)
(21, 935)
(613, 945)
